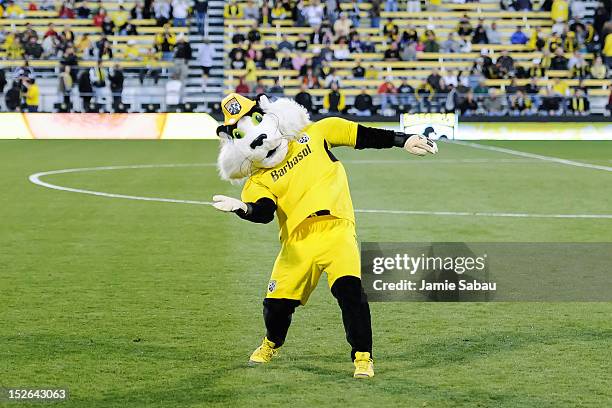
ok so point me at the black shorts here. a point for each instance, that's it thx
(205, 70)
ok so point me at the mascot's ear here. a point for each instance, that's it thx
(292, 117)
(263, 101)
(224, 133)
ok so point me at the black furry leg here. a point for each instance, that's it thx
(277, 317)
(355, 313)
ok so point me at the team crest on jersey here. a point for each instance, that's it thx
(304, 138)
(271, 286)
(233, 106)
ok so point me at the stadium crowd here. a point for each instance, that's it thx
(103, 78)
(335, 38)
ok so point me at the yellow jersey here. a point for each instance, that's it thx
(310, 178)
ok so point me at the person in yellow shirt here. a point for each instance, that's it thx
(13, 10)
(233, 10)
(251, 73)
(559, 11)
(560, 87)
(120, 17)
(131, 51)
(1, 11)
(32, 97)
(334, 101)
(291, 171)
(83, 44)
(607, 49)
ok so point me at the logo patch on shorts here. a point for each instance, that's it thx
(303, 139)
(271, 286)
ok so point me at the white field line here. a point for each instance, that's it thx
(533, 155)
(36, 179)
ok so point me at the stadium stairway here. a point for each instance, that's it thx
(194, 93)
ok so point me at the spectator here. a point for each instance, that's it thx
(276, 89)
(430, 44)
(97, 76)
(165, 42)
(560, 88)
(435, 80)
(200, 8)
(251, 11)
(559, 62)
(314, 13)
(409, 52)
(468, 106)
(333, 79)
(32, 94)
(494, 104)
(83, 11)
(480, 34)
(465, 45)
(150, 60)
(493, 35)
(506, 61)
(205, 58)
(551, 104)
(580, 68)
(391, 30)
(242, 88)
(32, 49)
(13, 97)
(180, 11)
(66, 11)
(334, 101)
(559, 11)
(285, 44)
(233, 10)
(450, 45)
(182, 56)
(98, 19)
(358, 71)
(116, 79)
(2, 81)
(65, 85)
(405, 92)
(523, 5)
(392, 53)
(388, 97)
(450, 79)
(108, 26)
(162, 10)
(375, 14)
(13, 10)
(391, 5)
(609, 106)
(301, 44)
(85, 89)
(254, 36)
(607, 50)
(598, 69)
(342, 26)
(342, 52)
(363, 105)
(413, 6)
(464, 27)
(579, 104)
(310, 80)
(520, 104)
(518, 37)
(304, 98)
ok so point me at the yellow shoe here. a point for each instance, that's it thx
(263, 353)
(364, 365)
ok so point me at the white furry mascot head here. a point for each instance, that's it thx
(256, 134)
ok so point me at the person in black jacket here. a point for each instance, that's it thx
(85, 89)
(304, 98)
(2, 80)
(363, 105)
(13, 97)
(116, 84)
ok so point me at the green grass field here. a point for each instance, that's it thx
(151, 304)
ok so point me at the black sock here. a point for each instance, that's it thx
(355, 313)
(277, 317)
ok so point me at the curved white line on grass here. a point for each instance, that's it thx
(36, 179)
